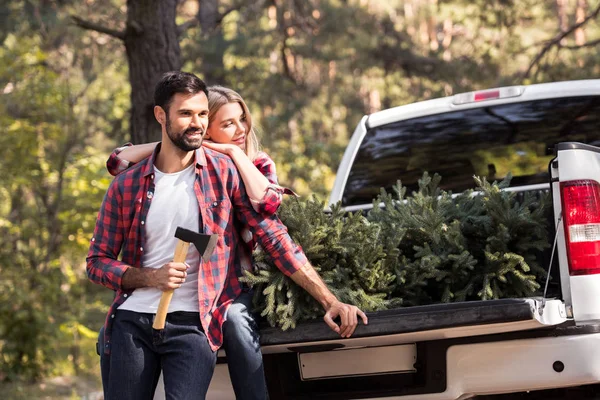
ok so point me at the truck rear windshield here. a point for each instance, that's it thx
(489, 141)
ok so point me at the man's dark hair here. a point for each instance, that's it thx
(174, 82)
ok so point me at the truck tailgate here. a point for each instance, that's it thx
(420, 323)
(401, 352)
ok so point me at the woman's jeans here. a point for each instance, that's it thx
(241, 343)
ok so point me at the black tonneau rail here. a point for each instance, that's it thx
(410, 319)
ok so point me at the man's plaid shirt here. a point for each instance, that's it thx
(224, 208)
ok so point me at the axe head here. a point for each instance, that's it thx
(205, 244)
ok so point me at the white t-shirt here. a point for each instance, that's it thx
(174, 204)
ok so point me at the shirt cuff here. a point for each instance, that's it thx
(116, 164)
(271, 201)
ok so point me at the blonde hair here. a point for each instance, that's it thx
(218, 96)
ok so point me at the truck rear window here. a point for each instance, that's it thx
(489, 141)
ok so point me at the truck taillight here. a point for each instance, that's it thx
(487, 95)
(581, 211)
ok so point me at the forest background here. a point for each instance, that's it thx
(76, 79)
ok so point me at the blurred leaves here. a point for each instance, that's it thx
(57, 108)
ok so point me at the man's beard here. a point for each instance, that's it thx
(182, 140)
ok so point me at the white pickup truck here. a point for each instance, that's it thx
(467, 349)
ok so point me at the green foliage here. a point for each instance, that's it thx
(480, 245)
(424, 248)
(53, 111)
(510, 234)
(432, 248)
(345, 249)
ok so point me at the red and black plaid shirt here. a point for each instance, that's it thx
(224, 208)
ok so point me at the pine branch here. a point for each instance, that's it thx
(91, 26)
(555, 41)
(217, 21)
(287, 68)
(588, 44)
(182, 28)
(228, 11)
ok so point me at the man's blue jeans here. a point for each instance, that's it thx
(241, 343)
(135, 362)
(104, 360)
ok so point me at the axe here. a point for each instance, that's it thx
(205, 244)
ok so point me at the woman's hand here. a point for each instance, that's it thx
(225, 148)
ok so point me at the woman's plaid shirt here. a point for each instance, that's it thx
(224, 208)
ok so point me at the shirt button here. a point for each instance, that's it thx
(143, 222)
(149, 194)
(215, 204)
(141, 249)
(93, 239)
(125, 295)
(112, 316)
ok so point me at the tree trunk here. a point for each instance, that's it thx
(579, 17)
(563, 21)
(152, 49)
(213, 42)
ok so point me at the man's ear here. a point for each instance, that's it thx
(160, 115)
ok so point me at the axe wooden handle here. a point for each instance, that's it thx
(163, 306)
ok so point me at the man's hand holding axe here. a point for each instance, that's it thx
(205, 245)
(171, 275)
